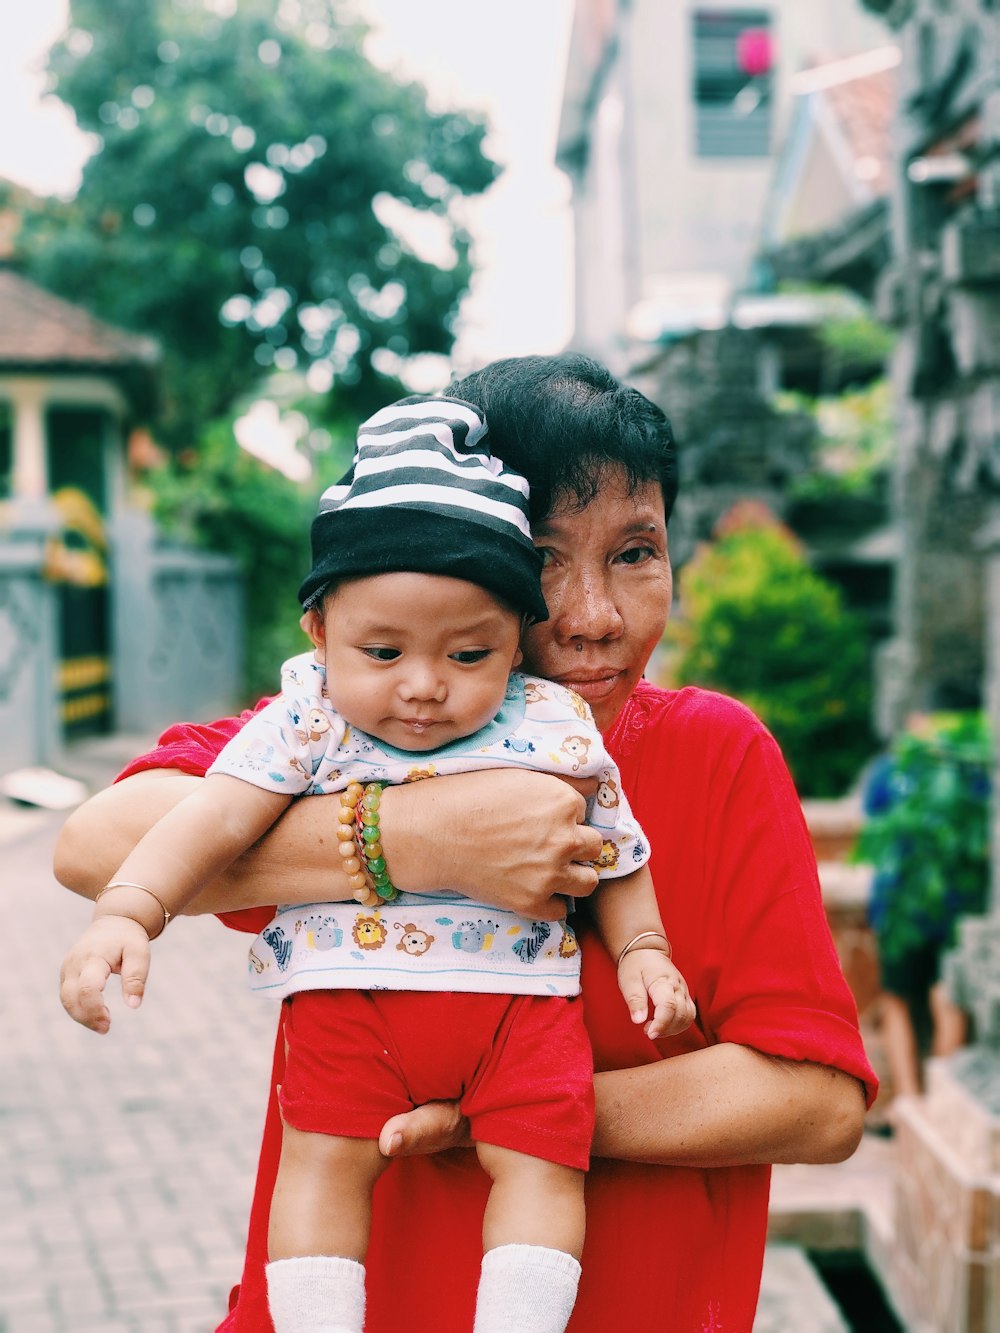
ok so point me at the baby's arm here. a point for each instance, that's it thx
(626, 911)
(188, 847)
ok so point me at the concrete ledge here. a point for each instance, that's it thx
(792, 1296)
(844, 1206)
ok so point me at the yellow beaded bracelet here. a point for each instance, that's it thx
(360, 845)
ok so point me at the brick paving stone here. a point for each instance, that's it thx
(29, 1321)
(126, 1162)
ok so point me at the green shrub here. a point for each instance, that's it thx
(928, 833)
(757, 623)
(222, 498)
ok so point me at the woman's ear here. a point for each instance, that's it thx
(315, 626)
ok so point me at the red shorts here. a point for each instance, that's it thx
(520, 1066)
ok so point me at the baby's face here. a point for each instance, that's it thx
(417, 660)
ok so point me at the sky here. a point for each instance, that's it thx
(505, 59)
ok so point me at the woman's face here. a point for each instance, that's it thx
(608, 586)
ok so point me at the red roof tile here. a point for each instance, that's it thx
(864, 108)
(38, 329)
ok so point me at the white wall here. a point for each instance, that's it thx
(663, 211)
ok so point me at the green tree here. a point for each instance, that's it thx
(243, 202)
(757, 623)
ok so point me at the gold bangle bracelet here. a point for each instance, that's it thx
(128, 884)
(645, 935)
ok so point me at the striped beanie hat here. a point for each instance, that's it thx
(425, 495)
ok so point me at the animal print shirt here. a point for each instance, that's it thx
(300, 744)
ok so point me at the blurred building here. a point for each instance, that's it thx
(826, 219)
(671, 116)
(102, 624)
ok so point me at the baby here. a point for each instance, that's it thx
(423, 577)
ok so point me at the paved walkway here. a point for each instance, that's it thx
(127, 1161)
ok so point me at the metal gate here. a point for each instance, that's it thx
(77, 561)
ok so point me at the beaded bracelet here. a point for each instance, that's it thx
(360, 846)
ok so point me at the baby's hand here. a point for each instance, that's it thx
(647, 976)
(109, 944)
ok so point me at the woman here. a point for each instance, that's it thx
(774, 1070)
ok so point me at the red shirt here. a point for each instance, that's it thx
(736, 879)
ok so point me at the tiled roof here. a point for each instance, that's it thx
(38, 329)
(864, 109)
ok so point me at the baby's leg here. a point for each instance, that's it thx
(532, 1239)
(320, 1222)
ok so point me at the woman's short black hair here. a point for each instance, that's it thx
(565, 422)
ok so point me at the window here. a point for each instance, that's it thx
(733, 61)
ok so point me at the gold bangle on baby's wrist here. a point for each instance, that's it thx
(645, 935)
(128, 884)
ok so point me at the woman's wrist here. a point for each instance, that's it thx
(420, 855)
(360, 846)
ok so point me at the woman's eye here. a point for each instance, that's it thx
(381, 654)
(468, 656)
(636, 555)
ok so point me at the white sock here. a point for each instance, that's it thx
(526, 1289)
(318, 1294)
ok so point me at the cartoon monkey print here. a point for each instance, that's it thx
(413, 941)
(578, 748)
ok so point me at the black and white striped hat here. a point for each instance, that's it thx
(425, 495)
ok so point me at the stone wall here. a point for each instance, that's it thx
(178, 629)
(28, 646)
(943, 294)
(733, 443)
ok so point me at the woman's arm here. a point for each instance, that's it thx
(728, 1105)
(508, 839)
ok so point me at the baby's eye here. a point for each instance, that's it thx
(469, 656)
(380, 654)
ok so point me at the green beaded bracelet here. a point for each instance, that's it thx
(369, 841)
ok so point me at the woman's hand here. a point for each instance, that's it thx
(508, 838)
(432, 1127)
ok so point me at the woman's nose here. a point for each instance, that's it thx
(582, 606)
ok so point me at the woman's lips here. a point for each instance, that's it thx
(591, 685)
